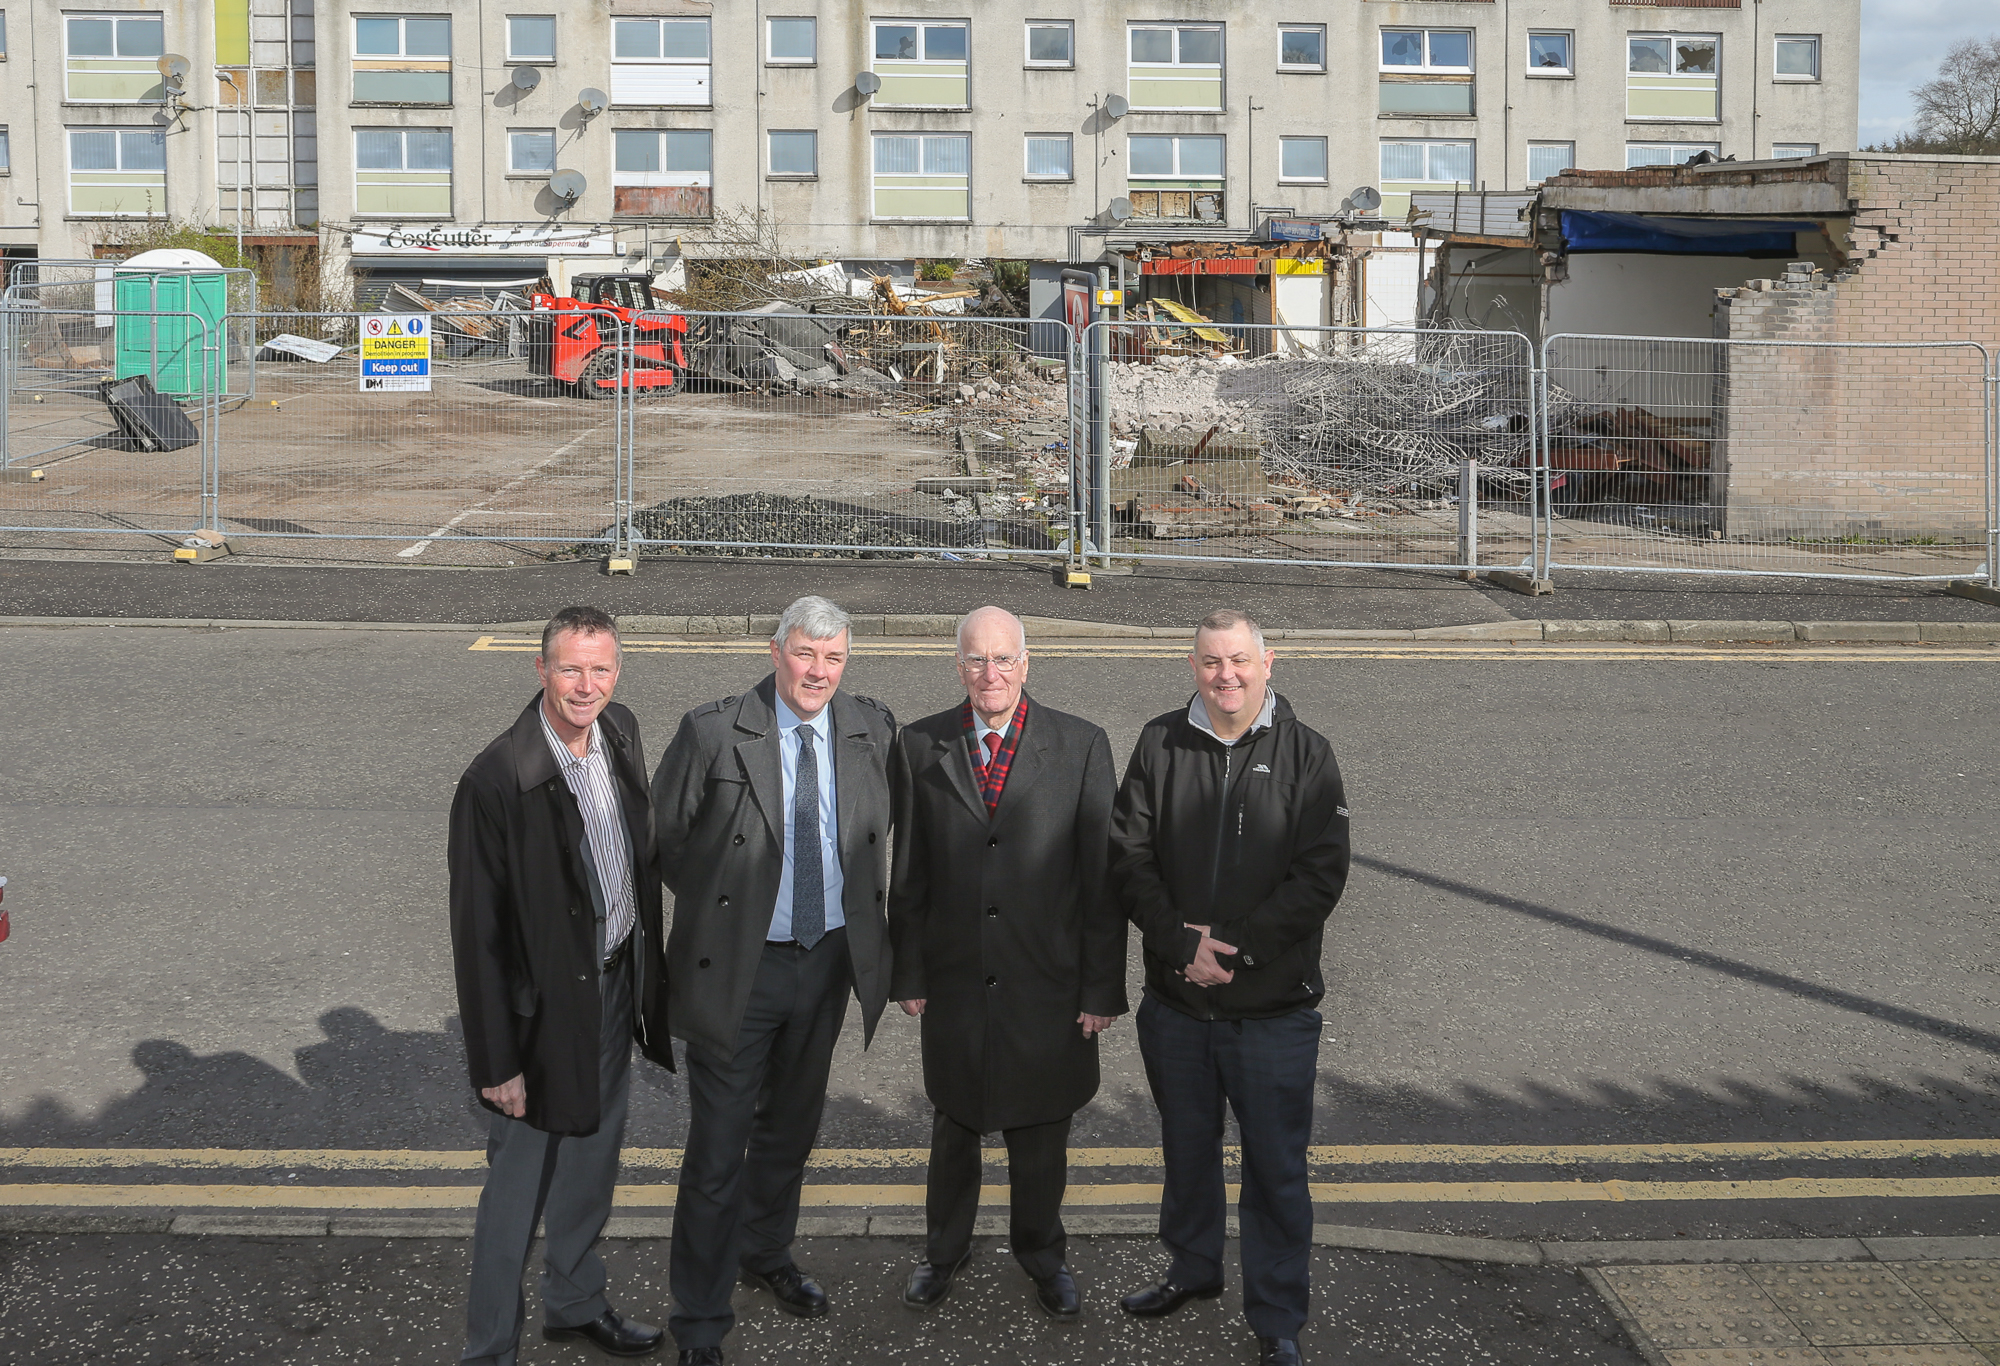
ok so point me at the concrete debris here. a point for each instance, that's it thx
(781, 521)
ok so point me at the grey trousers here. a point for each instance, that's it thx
(1037, 1174)
(564, 1182)
(753, 1118)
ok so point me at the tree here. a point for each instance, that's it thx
(1958, 114)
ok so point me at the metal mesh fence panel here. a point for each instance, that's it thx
(497, 452)
(802, 433)
(67, 462)
(1803, 459)
(1337, 446)
(121, 339)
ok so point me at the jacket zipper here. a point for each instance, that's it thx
(1221, 833)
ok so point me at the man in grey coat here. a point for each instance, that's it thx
(1009, 945)
(772, 811)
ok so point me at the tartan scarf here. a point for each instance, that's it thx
(991, 779)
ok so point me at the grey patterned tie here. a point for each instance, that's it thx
(808, 877)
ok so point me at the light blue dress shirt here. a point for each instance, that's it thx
(829, 820)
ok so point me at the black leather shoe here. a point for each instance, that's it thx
(1277, 1352)
(1059, 1296)
(1162, 1298)
(701, 1356)
(930, 1283)
(796, 1293)
(612, 1333)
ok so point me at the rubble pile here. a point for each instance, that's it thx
(779, 520)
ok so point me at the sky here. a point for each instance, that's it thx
(1902, 42)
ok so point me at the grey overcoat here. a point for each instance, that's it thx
(1006, 926)
(720, 821)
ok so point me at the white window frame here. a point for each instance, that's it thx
(118, 135)
(770, 170)
(1324, 163)
(1220, 67)
(1791, 77)
(1677, 152)
(1029, 175)
(1800, 151)
(771, 58)
(517, 59)
(923, 141)
(402, 42)
(1177, 173)
(1297, 67)
(705, 63)
(1550, 72)
(113, 15)
(662, 177)
(919, 25)
(1533, 147)
(1674, 56)
(1028, 58)
(1430, 145)
(451, 171)
(1429, 67)
(3, 35)
(514, 171)
(6, 152)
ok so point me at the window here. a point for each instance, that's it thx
(3, 35)
(1409, 164)
(113, 58)
(402, 172)
(791, 42)
(1051, 42)
(1547, 159)
(1784, 151)
(660, 62)
(6, 154)
(794, 152)
(1426, 72)
(1174, 66)
(531, 37)
(1549, 53)
(402, 60)
(531, 151)
(1667, 153)
(1798, 57)
(1302, 47)
(1673, 76)
(662, 173)
(1047, 157)
(1302, 160)
(119, 171)
(922, 66)
(1175, 176)
(923, 176)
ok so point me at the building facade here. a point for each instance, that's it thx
(1048, 130)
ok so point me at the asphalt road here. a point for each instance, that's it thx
(1599, 900)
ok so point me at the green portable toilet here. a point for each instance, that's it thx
(153, 293)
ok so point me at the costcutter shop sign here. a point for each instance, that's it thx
(457, 241)
(395, 352)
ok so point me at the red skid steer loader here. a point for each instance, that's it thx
(573, 339)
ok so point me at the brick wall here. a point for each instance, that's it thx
(1873, 445)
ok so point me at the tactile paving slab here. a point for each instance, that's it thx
(1906, 1354)
(1965, 1295)
(1852, 1304)
(1703, 1307)
(1746, 1356)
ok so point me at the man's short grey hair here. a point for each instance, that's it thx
(585, 621)
(1228, 619)
(814, 618)
(1020, 627)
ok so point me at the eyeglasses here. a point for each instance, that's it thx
(1006, 664)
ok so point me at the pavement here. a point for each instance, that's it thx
(1653, 954)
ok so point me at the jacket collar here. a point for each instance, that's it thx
(757, 750)
(1197, 715)
(1030, 758)
(535, 764)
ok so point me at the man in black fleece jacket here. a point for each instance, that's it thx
(1229, 849)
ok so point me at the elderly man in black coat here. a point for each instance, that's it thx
(1008, 943)
(555, 934)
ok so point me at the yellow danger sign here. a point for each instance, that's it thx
(402, 348)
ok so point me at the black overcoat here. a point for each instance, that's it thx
(719, 807)
(523, 926)
(1006, 927)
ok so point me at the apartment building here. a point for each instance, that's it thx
(428, 136)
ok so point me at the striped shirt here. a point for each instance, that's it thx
(596, 793)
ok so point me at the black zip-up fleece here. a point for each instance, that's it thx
(1249, 839)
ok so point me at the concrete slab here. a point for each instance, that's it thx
(1850, 1305)
(1859, 631)
(251, 1225)
(1965, 1294)
(1960, 632)
(1702, 1308)
(1482, 630)
(1695, 1251)
(1427, 1244)
(1730, 630)
(1606, 630)
(413, 1228)
(1934, 1249)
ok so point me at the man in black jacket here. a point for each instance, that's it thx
(555, 932)
(1229, 849)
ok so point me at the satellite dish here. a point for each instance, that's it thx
(1117, 106)
(1120, 209)
(1367, 199)
(868, 83)
(568, 185)
(593, 100)
(175, 69)
(526, 78)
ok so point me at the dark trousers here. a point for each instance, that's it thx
(1264, 1070)
(753, 1117)
(563, 1181)
(1037, 1172)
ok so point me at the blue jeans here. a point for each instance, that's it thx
(1265, 1070)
